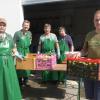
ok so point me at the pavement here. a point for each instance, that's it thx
(51, 91)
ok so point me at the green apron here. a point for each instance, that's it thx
(23, 48)
(63, 48)
(9, 86)
(48, 45)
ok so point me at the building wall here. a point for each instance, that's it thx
(11, 10)
(82, 23)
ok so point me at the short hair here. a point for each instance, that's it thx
(47, 25)
(26, 21)
(97, 11)
(62, 27)
(3, 20)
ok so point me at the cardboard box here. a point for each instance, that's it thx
(72, 54)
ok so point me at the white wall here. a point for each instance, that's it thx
(11, 10)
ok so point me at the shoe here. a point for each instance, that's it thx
(25, 85)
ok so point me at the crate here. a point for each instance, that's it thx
(31, 55)
(28, 63)
(71, 54)
(83, 68)
(45, 62)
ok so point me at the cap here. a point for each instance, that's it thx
(2, 20)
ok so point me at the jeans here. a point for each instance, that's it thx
(92, 89)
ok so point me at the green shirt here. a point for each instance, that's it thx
(51, 36)
(48, 42)
(22, 41)
(6, 45)
(92, 45)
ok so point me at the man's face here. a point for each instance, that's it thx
(26, 26)
(2, 27)
(47, 30)
(97, 20)
(62, 32)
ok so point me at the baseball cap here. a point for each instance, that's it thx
(2, 20)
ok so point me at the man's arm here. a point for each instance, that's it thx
(58, 50)
(39, 46)
(57, 46)
(84, 50)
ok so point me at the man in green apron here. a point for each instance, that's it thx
(22, 39)
(65, 44)
(47, 43)
(9, 86)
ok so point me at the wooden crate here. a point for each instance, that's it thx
(31, 55)
(28, 63)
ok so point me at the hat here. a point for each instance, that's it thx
(2, 20)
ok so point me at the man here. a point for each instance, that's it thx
(47, 43)
(22, 39)
(67, 38)
(9, 87)
(91, 49)
(65, 44)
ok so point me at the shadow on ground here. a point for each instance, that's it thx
(38, 91)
